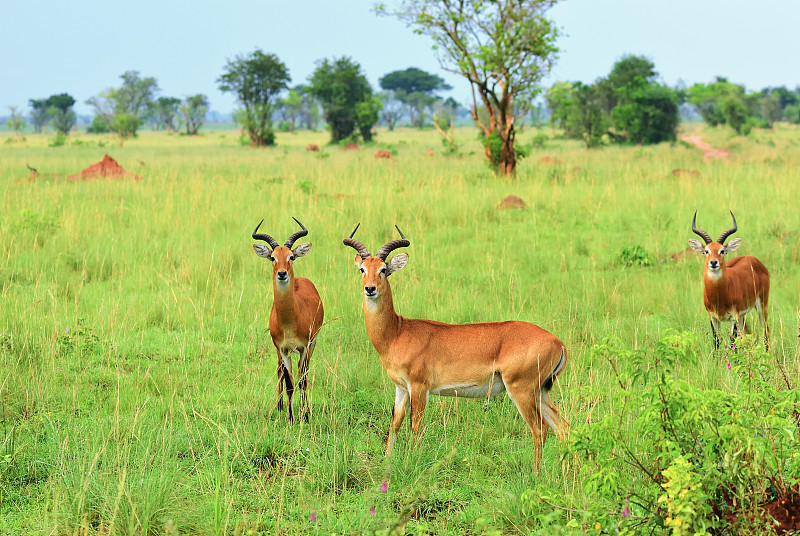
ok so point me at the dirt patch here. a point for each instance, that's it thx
(512, 201)
(784, 510)
(708, 151)
(107, 168)
(383, 153)
(351, 147)
(679, 172)
(549, 161)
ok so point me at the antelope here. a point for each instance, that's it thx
(296, 316)
(423, 357)
(734, 287)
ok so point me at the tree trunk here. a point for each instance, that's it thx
(508, 160)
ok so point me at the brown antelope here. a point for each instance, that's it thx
(296, 315)
(734, 287)
(424, 357)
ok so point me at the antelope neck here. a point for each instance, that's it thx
(284, 301)
(383, 324)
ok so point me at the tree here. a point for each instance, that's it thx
(193, 113)
(585, 117)
(124, 108)
(367, 115)
(16, 122)
(136, 94)
(502, 47)
(309, 113)
(415, 88)
(558, 99)
(646, 113)
(255, 79)
(292, 107)
(392, 108)
(720, 103)
(770, 107)
(39, 115)
(340, 86)
(162, 113)
(59, 107)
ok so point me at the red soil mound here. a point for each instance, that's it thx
(512, 201)
(106, 168)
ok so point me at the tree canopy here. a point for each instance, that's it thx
(502, 47)
(255, 79)
(415, 88)
(340, 87)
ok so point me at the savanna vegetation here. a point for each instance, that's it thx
(137, 387)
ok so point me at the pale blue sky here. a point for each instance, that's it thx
(81, 47)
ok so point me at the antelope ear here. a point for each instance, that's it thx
(262, 251)
(358, 260)
(697, 245)
(396, 263)
(734, 244)
(301, 250)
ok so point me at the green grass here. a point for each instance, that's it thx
(137, 387)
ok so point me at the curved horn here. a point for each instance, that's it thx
(265, 237)
(358, 246)
(700, 232)
(729, 232)
(291, 240)
(392, 245)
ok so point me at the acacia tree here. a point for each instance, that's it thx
(39, 115)
(255, 79)
(502, 47)
(162, 113)
(415, 88)
(60, 109)
(193, 113)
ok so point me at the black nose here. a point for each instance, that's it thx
(713, 263)
(282, 275)
(369, 290)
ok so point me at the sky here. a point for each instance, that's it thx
(81, 47)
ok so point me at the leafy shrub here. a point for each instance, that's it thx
(58, 141)
(634, 256)
(674, 457)
(99, 125)
(539, 140)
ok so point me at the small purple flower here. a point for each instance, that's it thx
(372, 510)
(312, 517)
(384, 487)
(626, 511)
(728, 365)
(67, 330)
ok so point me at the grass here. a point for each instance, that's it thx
(137, 387)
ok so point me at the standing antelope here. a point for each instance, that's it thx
(296, 315)
(734, 287)
(469, 360)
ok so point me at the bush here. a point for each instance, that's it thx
(99, 125)
(634, 255)
(680, 457)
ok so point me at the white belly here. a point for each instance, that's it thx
(490, 390)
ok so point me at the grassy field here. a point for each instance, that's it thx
(137, 389)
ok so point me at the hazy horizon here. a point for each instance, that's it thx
(83, 48)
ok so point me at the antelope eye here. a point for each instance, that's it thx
(382, 270)
(706, 252)
(722, 252)
(273, 259)
(363, 271)
(291, 257)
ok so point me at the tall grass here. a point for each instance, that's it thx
(137, 386)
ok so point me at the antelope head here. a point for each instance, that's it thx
(375, 270)
(282, 257)
(714, 251)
